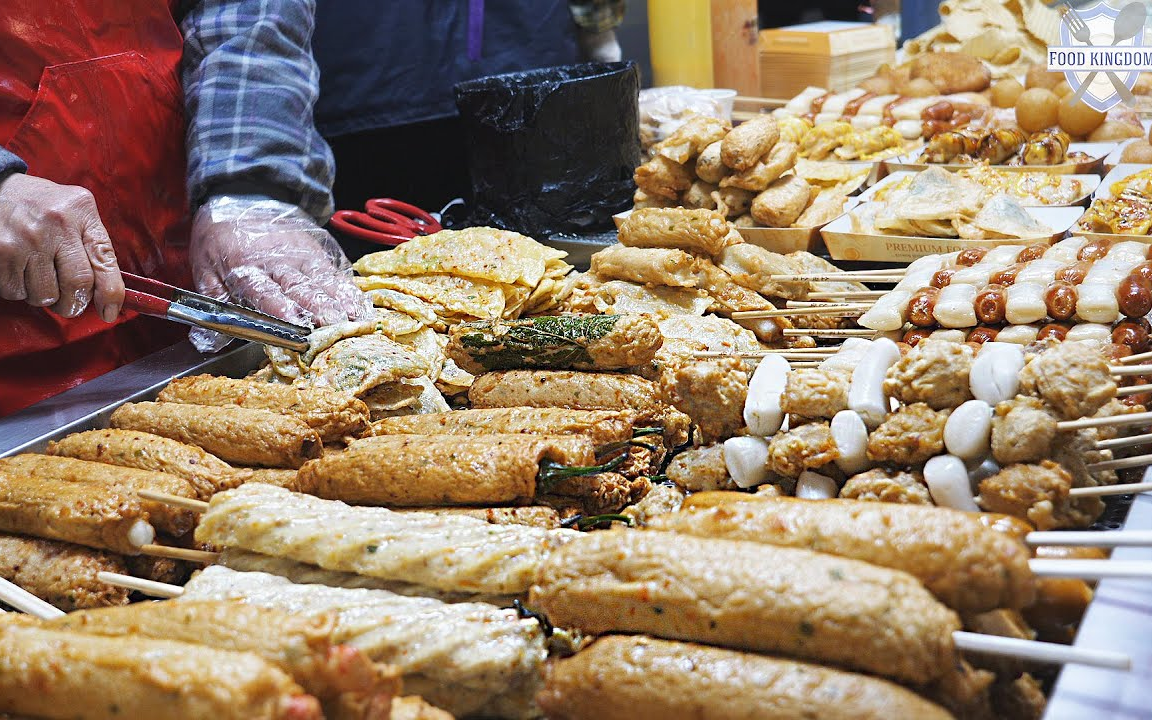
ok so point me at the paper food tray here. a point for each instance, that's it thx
(845, 244)
(1113, 158)
(1089, 185)
(1096, 153)
(780, 240)
(1104, 192)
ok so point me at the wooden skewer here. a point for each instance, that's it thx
(1123, 442)
(838, 332)
(1040, 651)
(1104, 490)
(148, 587)
(1128, 462)
(1079, 538)
(803, 365)
(839, 277)
(25, 601)
(1109, 421)
(845, 310)
(1123, 370)
(196, 556)
(847, 294)
(1091, 569)
(1138, 357)
(174, 500)
(974, 642)
(1133, 390)
(799, 353)
(808, 303)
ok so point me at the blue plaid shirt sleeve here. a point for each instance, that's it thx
(250, 84)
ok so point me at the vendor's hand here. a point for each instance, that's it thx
(272, 257)
(54, 251)
(600, 46)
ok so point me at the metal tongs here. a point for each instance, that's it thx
(152, 297)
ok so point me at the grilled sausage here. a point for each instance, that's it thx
(207, 473)
(1134, 296)
(235, 434)
(991, 304)
(640, 678)
(1075, 272)
(968, 566)
(1060, 300)
(921, 306)
(331, 413)
(748, 596)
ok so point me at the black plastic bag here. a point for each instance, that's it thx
(552, 151)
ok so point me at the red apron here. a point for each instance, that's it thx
(90, 96)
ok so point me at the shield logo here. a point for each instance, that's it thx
(1101, 21)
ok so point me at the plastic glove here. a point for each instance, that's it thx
(271, 256)
(600, 46)
(54, 251)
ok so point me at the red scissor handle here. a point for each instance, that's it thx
(385, 221)
(365, 227)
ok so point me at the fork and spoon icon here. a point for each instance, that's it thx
(1126, 26)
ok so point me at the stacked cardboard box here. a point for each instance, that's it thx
(833, 55)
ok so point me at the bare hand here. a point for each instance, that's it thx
(54, 251)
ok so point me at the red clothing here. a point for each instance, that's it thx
(90, 96)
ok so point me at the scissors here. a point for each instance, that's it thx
(386, 222)
(152, 297)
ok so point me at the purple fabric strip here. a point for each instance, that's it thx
(475, 29)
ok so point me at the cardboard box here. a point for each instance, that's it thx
(833, 55)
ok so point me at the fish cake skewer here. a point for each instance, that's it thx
(749, 596)
(602, 427)
(234, 434)
(62, 574)
(331, 413)
(145, 451)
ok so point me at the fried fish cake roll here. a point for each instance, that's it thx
(533, 516)
(555, 342)
(453, 554)
(300, 646)
(647, 266)
(581, 391)
(145, 451)
(166, 518)
(748, 596)
(333, 414)
(234, 434)
(602, 427)
(280, 477)
(640, 678)
(416, 470)
(102, 678)
(60, 573)
(700, 230)
(969, 567)
(104, 518)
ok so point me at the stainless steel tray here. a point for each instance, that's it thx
(1119, 618)
(88, 406)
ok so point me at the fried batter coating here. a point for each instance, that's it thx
(1039, 494)
(733, 202)
(61, 573)
(1022, 431)
(807, 447)
(663, 178)
(699, 196)
(648, 266)
(782, 202)
(691, 138)
(779, 160)
(711, 392)
(700, 469)
(815, 393)
(692, 230)
(891, 486)
(749, 141)
(934, 372)
(910, 436)
(709, 166)
(1072, 377)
